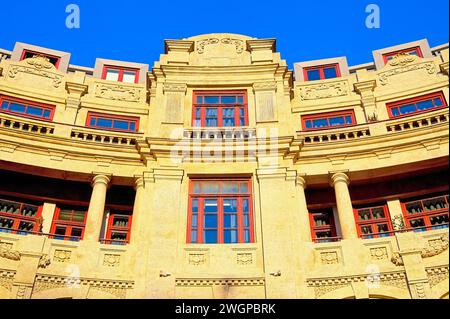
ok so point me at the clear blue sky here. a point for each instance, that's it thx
(133, 30)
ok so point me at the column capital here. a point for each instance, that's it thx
(141, 179)
(101, 179)
(341, 176)
(301, 180)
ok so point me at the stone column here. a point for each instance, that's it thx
(303, 218)
(340, 182)
(48, 211)
(96, 207)
(136, 224)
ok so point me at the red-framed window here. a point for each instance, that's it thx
(220, 211)
(112, 122)
(119, 229)
(323, 227)
(220, 109)
(416, 105)
(321, 72)
(120, 74)
(25, 108)
(426, 213)
(373, 222)
(19, 218)
(55, 60)
(413, 51)
(322, 121)
(69, 223)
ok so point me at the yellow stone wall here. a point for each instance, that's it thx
(282, 160)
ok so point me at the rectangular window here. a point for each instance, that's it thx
(416, 105)
(413, 51)
(321, 72)
(323, 228)
(220, 212)
(112, 122)
(373, 222)
(220, 109)
(426, 213)
(19, 218)
(119, 229)
(27, 54)
(328, 120)
(69, 224)
(26, 108)
(120, 74)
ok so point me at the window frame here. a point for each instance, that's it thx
(121, 70)
(327, 115)
(19, 218)
(220, 108)
(321, 71)
(416, 49)
(220, 213)
(58, 58)
(26, 104)
(372, 223)
(113, 117)
(415, 100)
(119, 229)
(68, 225)
(331, 227)
(425, 216)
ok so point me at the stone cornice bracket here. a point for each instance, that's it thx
(273, 172)
(175, 87)
(365, 86)
(143, 179)
(368, 100)
(144, 151)
(101, 178)
(262, 45)
(178, 46)
(168, 174)
(444, 68)
(339, 176)
(75, 92)
(265, 86)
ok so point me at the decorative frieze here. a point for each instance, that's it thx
(8, 253)
(62, 256)
(197, 259)
(111, 260)
(244, 259)
(323, 90)
(383, 77)
(378, 253)
(37, 66)
(193, 282)
(7, 279)
(239, 44)
(118, 92)
(329, 258)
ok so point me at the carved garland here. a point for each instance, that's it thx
(117, 92)
(40, 66)
(439, 245)
(430, 67)
(239, 44)
(322, 91)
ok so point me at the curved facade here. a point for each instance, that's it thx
(220, 173)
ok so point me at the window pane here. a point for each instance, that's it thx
(76, 232)
(4, 105)
(132, 126)
(308, 124)
(210, 221)
(195, 205)
(378, 213)
(407, 109)
(112, 75)
(60, 230)
(230, 236)
(230, 188)
(228, 122)
(246, 221)
(230, 221)
(364, 214)
(229, 99)
(193, 236)
(14, 107)
(245, 205)
(210, 206)
(129, 77)
(438, 102)
(65, 215)
(34, 111)
(199, 99)
(121, 125)
(395, 112)
(330, 73)
(78, 216)
(246, 236)
(336, 121)
(240, 99)
(210, 236)
(320, 123)
(196, 188)
(210, 188)
(47, 114)
(230, 205)
(244, 188)
(313, 75)
(424, 105)
(348, 120)
(104, 122)
(228, 112)
(194, 221)
(211, 100)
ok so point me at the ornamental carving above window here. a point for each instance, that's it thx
(239, 44)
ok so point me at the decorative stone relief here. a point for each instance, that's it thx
(197, 259)
(39, 66)
(265, 107)
(239, 44)
(21, 292)
(322, 91)
(111, 260)
(420, 291)
(44, 261)
(6, 279)
(329, 258)
(8, 253)
(118, 92)
(398, 223)
(435, 246)
(402, 59)
(62, 256)
(378, 253)
(174, 105)
(244, 259)
(383, 77)
(437, 275)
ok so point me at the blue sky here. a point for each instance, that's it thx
(134, 30)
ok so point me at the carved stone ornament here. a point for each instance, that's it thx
(433, 248)
(44, 261)
(324, 90)
(398, 223)
(239, 44)
(402, 59)
(197, 259)
(40, 62)
(118, 92)
(9, 254)
(383, 77)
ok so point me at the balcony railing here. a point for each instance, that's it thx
(418, 121)
(230, 133)
(26, 125)
(104, 137)
(335, 134)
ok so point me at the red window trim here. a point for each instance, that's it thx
(121, 71)
(417, 49)
(220, 196)
(69, 225)
(25, 51)
(321, 72)
(112, 228)
(373, 222)
(424, 215)
(421, 98)
(130, 119)
(26, 103)
(18, 218)
(219, 108)
(344, 113)
(331, 227)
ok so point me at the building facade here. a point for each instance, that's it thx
(220, 173)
